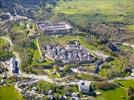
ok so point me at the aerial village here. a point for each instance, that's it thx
(71, 53)
(56, 70)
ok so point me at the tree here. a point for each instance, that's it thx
(5, 55)
(131, 93)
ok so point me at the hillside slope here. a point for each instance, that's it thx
(106, 17)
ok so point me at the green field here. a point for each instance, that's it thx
(126, 84)
(84, 11)
(33, 49)
(9, 93)
(118, 93)
(3, 43)
(5, 53)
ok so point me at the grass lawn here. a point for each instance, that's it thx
(36, 55)
(126, 83)
(118, 93)
(97, 11)
(9, 93)
(3, 42)
(130, 27)
(89, 77)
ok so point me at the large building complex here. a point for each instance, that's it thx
(55, 28)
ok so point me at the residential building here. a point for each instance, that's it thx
(14, 65)
(85, 87)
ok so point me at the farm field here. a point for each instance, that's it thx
(9, 93)
(97, 11)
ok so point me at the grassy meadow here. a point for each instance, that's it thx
(84, 11)
(3, 42)
(118, 93)
(9, 93)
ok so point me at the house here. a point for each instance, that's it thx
(85, 87)
(58, 28)
(14, 65)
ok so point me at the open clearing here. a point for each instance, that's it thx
(9, 93)
(82, 12)
(118, 93)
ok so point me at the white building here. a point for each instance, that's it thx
(14, 65)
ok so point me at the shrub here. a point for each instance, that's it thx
(105, 86)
